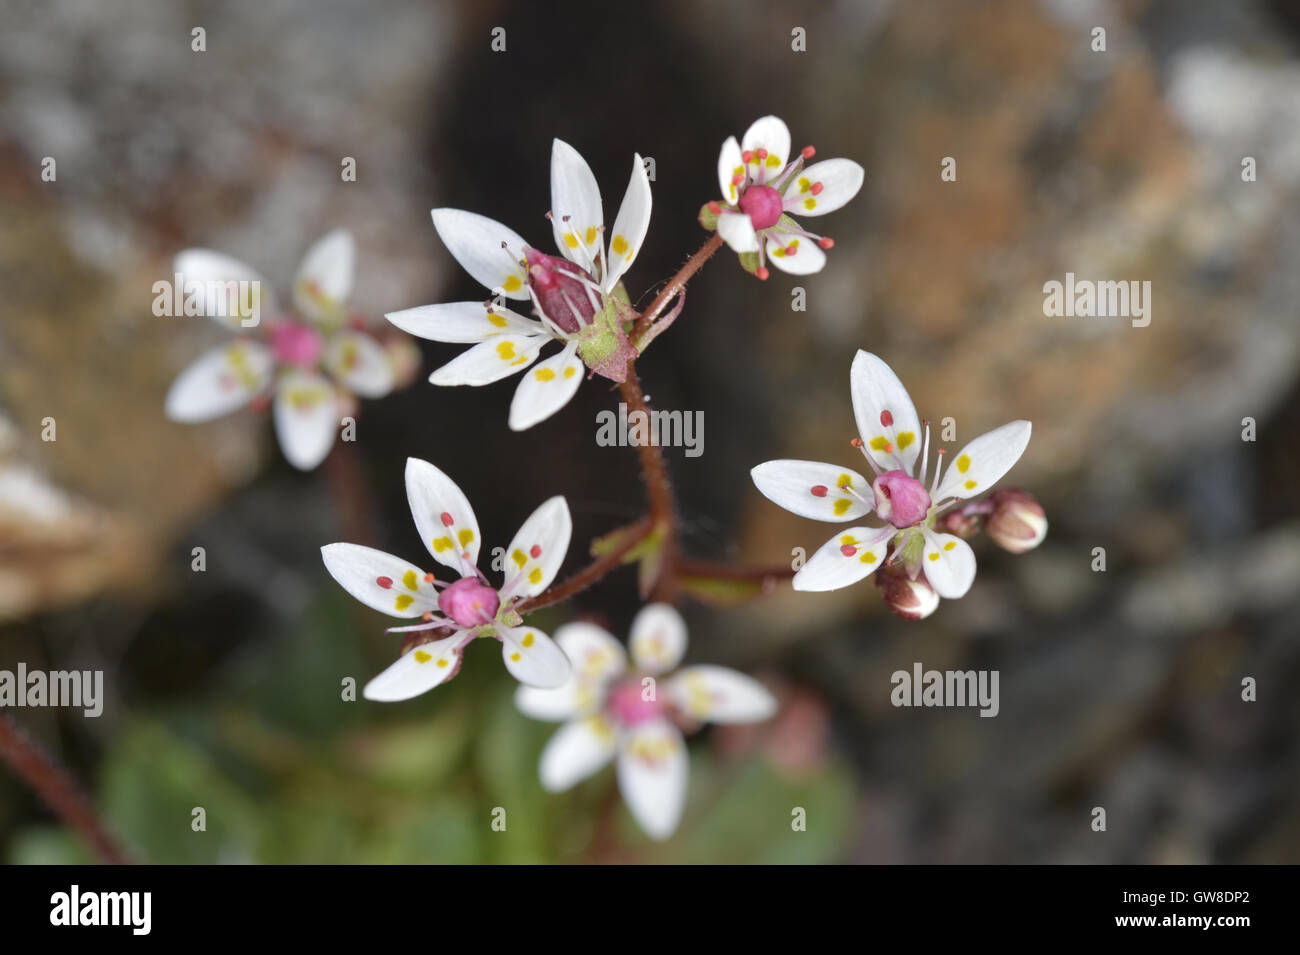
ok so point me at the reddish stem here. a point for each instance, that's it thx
(675, 285)
(57, 789)
(590, 574)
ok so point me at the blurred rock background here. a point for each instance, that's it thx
(1118, 689)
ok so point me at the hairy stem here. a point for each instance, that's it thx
(675, 285)
(589, 574)
(57, 789)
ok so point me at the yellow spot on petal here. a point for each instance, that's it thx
(422, 657)
(403, 601)
(519, 557)
(442, 543)
(904, 439)
(591, 235)
(867, 557)
(498, 320)
(738, 171)
(963, 463)
(779, 252)
(775, 162)
(410, 580)
(805, 184)
(840, 506)
(845, 480)
(528, 639)
(442, 663)
(848, 539)
(950, 545)
(536, 575)
(512, 283)
(810, 203)
(934, 556)
(466, 536)
(570, 372)
(570, 240)
(879, 444)
(514, 657)
(506, 350)
(619, 246)
(970, 485)
(544, 374)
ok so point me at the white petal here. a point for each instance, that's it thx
(595, 654)
(730, 165)
(658, 638)
(443, 517)
(792, 485)
(652, 776)
(324, 279)
(737, 231)
(380, 581)
(359, 363)
(885, 414)
(840, 178)
(771, 134)
(462, 322)
(575, 752)
(796, 255)
(576, 213)
(209, 274)
(718, 695)
(306, 416)
(491, 360)
(417, 671)
(546, 388)
(221, 380)
(832, 566)
(983, 462)
(475, 242)
(949, 564)
(556, 705)
(532, 657)
(631, 225)
(537, 550)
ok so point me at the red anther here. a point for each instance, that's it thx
(792, 248)
(762, 273)
(384, 582)
(760, 154)
(817, 188)
(747, 155)
(886, 418)
(429, 578)
(826, 242)
(737, 180)
(848, 550)
(427, 616)
(856, 442)
(535, 551)
(447, 519)
(808, 152)
(819, 490)
(715, 208)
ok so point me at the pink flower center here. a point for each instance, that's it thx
(296, 344)
(763, 206)
(900, 498)
(469, 602)
(629, 707)
(564, 299)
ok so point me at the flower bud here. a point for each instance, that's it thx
(912, 599)
(963, 524)
(564, 299)
(900, 498)
(1017, 521)
(470, 602)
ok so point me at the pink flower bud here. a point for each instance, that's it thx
(900, 498)
(628, 705)
(1017, 522)
(912, 599)
(470, 602)
(565, 300)
(963, 524)
(296, 344)
(763, 205)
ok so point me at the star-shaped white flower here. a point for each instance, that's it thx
(290, 356)
(763, 185)
(578, 299)
(610, 713)
(894, 444)
(458, 612)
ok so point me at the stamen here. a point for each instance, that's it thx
(808, 152)
(870, 505)
(925, 452)
(826, 242)
(938, 469)
(861, 446)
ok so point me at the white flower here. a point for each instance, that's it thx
(457, 612)
(292, 355)
(578, 299)
(892, 443)
(762, 184)
(609, 713)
